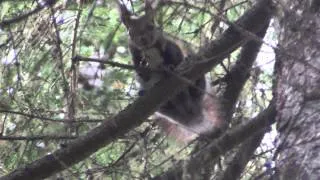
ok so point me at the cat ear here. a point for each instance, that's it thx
(150, 7)
(125, 14)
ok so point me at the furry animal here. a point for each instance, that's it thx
(149, 47)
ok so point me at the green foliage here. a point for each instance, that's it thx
(13, 8)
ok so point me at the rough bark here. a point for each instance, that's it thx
(298, 90)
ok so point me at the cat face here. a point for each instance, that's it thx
(142, 30)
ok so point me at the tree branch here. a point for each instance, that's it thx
(240, 73)
(49, 119)
(236, 79)
(242, 157)
(116, 64)
(36, 137)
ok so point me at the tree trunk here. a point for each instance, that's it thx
(297, 90)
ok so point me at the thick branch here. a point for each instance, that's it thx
(235, 82)
(135, 113)
(242, 157)
(240, 73)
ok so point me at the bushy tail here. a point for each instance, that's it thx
(209, 120)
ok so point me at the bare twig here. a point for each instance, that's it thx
(116, 64)
(36, 138)
(71, 99)
(44, 118)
